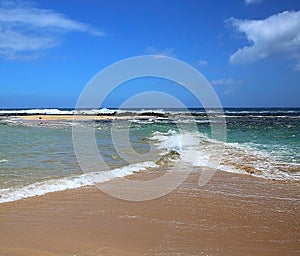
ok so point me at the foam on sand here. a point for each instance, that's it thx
(41, 188)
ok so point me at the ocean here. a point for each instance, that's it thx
(37, 157)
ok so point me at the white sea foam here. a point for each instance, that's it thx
(95, 111)
(234, 157)
(188, 145)
(238, 157)
(36, 112)
(41, 188)
(53, 111)
(3, 161)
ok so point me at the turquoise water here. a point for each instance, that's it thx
(278, 136)
(30, 154)
(37, 156)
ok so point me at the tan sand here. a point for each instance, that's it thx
(232, 215)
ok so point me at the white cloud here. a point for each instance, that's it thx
(168, 52)
(277, 35)
(41, 18)
(202, 62)
(226, 81)
(252, 2)
(25, 29)
(16, 41)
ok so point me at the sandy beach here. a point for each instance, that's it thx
(231, 215)
(149, 128)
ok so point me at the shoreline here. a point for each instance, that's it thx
(231, 215)
(50, 119)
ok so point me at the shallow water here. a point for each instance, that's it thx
(37, 158)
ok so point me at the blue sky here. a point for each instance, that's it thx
(249, 50)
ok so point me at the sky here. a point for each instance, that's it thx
(249, 50)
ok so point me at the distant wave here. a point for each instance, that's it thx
(35, 112)
(158, 112)
(102, 111)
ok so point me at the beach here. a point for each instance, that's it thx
(149, 128)
(250, 206)
(231, 215)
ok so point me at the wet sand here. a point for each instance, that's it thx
(231, 215)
